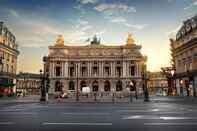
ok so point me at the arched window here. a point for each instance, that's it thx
(95, 86)
(119, 86)
(58, 86)
(107, 86)
(71, 85)
(83, 84)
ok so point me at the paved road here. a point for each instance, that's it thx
(163, 114)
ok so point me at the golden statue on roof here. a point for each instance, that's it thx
(130, 39)
(60, 40)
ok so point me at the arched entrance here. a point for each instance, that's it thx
(107, 86)
(71, 85)
(58, 86)
(83, 84)
(119, 86)
(132, 85)
(95, 86)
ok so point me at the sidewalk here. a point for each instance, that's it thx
(156, 99)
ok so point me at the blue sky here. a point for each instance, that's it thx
(36, 23)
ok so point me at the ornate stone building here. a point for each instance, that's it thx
(28, 83)
(185, 55)
(8, 57)
(102, 68)
(157, 82)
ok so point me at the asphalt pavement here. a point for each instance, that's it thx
(161, 113)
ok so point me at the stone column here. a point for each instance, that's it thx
(66, 69)
(63, 69)
(124, 68)
(127, 69)
(50, 69)
(111, 68)
(53, 69)
(102, 68)
(90, 68)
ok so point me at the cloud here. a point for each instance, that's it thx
(109, 8)
(118, 20)
(83, 25)
(88, 1)
(193, 4)
(136, 26)
(124, 21)
(12, 12)
(172, 33)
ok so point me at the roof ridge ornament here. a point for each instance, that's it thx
(130, 39)
(95, 41)
(60, 40)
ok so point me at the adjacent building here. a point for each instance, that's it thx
(185, 55)
(28, 83)
(8, 59)
(157, 83)
(102, 68)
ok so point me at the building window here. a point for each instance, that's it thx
(71, 71)
(83, 71)
(119, 86)
(58, 71)
(107, 86)
(107, 71)
(95, 70)
(118, 71)
(7, 68)
(71, 85)
(132, 69)
(58, 86)
(95, 86)
(83, 84)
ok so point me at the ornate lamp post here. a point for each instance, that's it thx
(77, 93)
(129, 90)
(113, 99)
(181, 87)
(172, 81)
(42, 86)
(144, 77)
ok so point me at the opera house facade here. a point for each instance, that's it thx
(102, 68)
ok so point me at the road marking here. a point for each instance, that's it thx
(12, 110)
(6, 123)
(176, 118)
(84, 124)
(157, 117)
(170, 124)
(91, 113)
(155, 110)
(134, 111)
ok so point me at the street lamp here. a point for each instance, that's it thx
(144, 77)
(172, 81)
(77, 93)
(129, 90)
(113, 99)
(42, 86)
(181, 87)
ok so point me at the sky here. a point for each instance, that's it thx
(36, 24)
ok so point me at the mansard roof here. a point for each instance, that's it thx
(188, 26)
